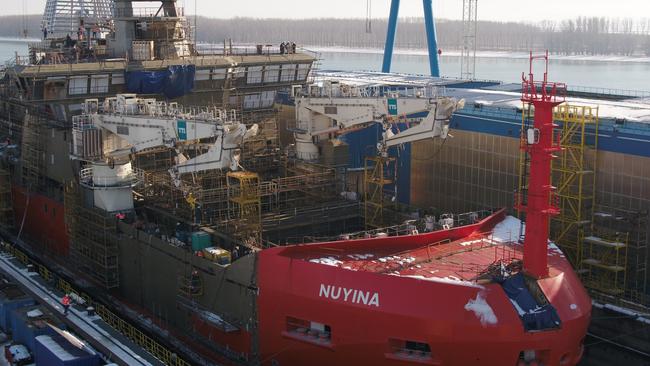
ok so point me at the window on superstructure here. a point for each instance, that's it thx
(99, 84)
(254, 75)
(288, 73)
(309, 331)
(78, 85)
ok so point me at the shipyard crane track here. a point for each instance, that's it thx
(61, 274)
(50, 300)
(616, 345)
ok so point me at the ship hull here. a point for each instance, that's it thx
(41, 219)
(407, 310)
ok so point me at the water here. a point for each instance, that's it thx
(588, 73)
(9, 47)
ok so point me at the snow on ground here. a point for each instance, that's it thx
(631, 111)
(643, 318)
(482, 54)
(482, 310)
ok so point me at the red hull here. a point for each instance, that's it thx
(408, 309)
(42, 220)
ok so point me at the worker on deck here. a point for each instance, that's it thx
(282, 48)
(66, 303)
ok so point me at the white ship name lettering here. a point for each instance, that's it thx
(358, 296)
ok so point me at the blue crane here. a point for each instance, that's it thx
(431, 36)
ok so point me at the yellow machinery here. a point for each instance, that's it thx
(245, 205)
(376, 177)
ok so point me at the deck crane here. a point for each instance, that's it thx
(105, 138)
(333, 109)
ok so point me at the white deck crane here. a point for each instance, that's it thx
(324, 112)
(105, 138)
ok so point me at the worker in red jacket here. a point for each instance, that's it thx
(66, 303)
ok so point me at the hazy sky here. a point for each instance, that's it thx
(528, 10)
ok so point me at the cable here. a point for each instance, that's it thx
(435, 153)
(22, 223)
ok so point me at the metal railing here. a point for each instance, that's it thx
(149, 107)
(336, 90)
(88, 179)
(148, 12)
(609, 91)
(150, 345)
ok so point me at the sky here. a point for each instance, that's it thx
(505, 10)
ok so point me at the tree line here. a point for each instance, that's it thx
(579, 36)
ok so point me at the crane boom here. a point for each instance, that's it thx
(334, 109)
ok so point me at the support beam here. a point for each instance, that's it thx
(390, 35)
(431, 37)
(432, 41)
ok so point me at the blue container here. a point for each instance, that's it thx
(201, 240)
(11, 298)
(57, 351)
(29, 322)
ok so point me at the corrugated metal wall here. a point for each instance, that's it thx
(467, 172)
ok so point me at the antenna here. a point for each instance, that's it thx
(25, 31)
(468, 55)
(368, 16)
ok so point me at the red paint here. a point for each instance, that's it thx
(44, 222)
(409, 309)
(238, 341)
(539, 206)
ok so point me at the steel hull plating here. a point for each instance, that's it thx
(409, 309)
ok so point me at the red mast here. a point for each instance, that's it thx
(540, 142)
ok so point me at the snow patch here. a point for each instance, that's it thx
(360, 256)
(482, 310)
(328, 261)
(446, 280)
(621, 310)
(573, 306)
(507, 230)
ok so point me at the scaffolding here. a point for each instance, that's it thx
(574, 176)
(605, 262)
(622, 270)
(33, 153)
(62, 17)
(246, 205)
(6, 203)
(93, 238)
(378, 174)
(191, 286)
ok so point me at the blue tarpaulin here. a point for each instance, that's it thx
(174, 82)
(533, 315)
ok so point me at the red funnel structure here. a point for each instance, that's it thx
(540, 142)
